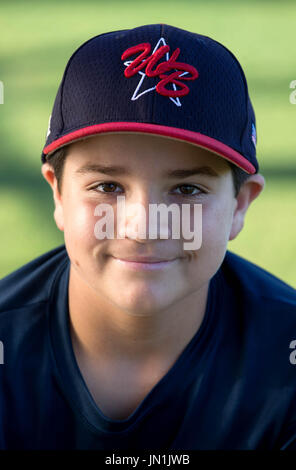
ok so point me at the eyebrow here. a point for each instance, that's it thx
(121, 171)
(106, 169)
(201, 170)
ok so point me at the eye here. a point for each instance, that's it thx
(106, 187)
(188, 190)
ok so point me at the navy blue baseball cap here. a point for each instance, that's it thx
(161, 80)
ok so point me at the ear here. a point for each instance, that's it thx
(251, 189)
(48, 173)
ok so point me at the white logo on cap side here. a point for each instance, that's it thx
(48, 129)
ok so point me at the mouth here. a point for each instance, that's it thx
(145, 263)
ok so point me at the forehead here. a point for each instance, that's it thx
(133, 150)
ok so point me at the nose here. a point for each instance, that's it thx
(143, 216)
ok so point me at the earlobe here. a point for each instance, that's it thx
(48, 173)
(249, 191)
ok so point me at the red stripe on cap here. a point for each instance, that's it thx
(173, 132)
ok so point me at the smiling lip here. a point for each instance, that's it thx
(145, 263)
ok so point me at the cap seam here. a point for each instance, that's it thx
(161, 32)
(246, 92)
(71, 60)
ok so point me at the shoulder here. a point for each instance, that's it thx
(24, 313)
(257, 299)
(259, 326)
(255, 282)
(31, 283)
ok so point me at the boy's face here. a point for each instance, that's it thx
(145, 162)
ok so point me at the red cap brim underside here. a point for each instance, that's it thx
(191, 137)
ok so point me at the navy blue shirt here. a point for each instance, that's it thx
(232, 387)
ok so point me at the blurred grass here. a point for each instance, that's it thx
(37, 39)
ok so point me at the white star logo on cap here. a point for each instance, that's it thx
(137, 93)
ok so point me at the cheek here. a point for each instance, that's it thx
(216, 225)
(79, 223)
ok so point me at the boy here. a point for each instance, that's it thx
(131, 341)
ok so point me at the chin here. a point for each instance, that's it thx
(141, 302)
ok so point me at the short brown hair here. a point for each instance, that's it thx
(57, 159)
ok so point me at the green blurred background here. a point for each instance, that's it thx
(37, 39)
